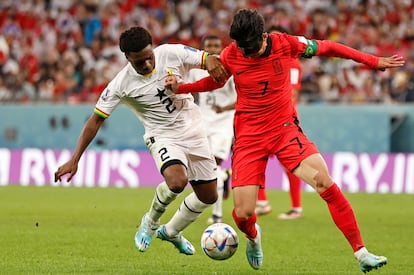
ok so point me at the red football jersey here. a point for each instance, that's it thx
(265, 121)
(264, 89)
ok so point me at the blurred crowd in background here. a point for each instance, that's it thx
(66, 51)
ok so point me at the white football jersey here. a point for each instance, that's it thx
(162, 112)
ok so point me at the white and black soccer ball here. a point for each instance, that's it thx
(219, 241)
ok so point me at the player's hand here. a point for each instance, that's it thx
(218, 109)
(171, 83)
(216, 69)
(394, 61)
(68, 168)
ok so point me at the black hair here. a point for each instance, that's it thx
(134, 39)
(277, 28)
(247, 24)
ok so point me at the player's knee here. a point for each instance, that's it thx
(323, 181)
(177, 184)
(244, 213)
(206, 190)
(209, 198)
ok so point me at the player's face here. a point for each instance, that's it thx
(212, 46)
(142, 61)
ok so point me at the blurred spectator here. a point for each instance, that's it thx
(401, 87)
(65, 51)
(5, 93)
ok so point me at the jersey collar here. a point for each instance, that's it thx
(268, 48)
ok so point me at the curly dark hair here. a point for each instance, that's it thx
(246, 25)
(277, 28)
(134, 40)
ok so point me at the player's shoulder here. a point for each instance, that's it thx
(123, 77)
(230, 52)
(163, 48)
(285, 37)
(123, 73)
(174, 48)
(232, 47)
(281, 38)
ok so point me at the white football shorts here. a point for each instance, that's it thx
(194, 154)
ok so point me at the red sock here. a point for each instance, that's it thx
(261, 195)
(247, 226)
(343, 215)
(294, 185)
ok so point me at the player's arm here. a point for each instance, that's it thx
(215, 68)
(88, 133)
(205, 84)
(220, 109)
(208, 62)
(333, 49)
(217, 79)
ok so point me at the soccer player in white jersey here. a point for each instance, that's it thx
(218, 112)
(174, 131)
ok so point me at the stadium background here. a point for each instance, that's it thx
(56, 56)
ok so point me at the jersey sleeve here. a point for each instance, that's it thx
(203, 85)
(309, 47)
(331, 48)
(108, 101)
(192, 57)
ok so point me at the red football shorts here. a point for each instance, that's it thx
(251, 153)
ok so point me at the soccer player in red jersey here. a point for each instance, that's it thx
(265, 123)
(263, 206)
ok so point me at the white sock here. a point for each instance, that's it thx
(218, 205)
(162, 198)
(297, 209)
(262, 203)
(361, 253)
(189, 210)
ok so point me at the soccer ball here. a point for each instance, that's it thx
(219, 241)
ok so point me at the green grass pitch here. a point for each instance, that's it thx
(57, 230)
